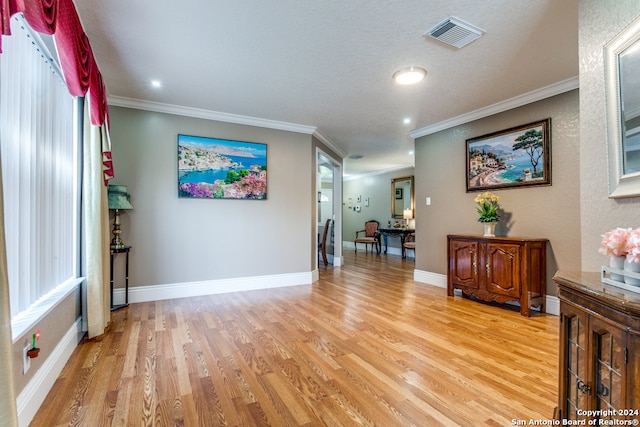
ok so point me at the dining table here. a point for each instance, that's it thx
(401, 232)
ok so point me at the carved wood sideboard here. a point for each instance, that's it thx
(499, 269)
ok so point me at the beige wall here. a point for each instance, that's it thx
(53, 328)
(599, 22)
(178, 240)
(165, 231)
(551, 212)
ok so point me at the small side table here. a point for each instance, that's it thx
(114, 252)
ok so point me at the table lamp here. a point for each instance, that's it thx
(407, 215)
(118, 200)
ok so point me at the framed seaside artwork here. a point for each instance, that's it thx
(516, 157)
(212, 168)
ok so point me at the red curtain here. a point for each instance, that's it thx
(40, 14)
(60, 18)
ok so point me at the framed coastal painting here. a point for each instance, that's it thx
(516, 157)
(212, 168)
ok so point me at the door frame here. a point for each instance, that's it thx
(336, 258)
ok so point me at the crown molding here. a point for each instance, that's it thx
(376, 172)
(209, 115)
(326, 141)
(509, 104)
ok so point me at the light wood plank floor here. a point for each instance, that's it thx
(364, 346)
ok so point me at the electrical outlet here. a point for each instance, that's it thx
(26, 360)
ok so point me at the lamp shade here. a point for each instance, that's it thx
(118, 197)
(407, 214)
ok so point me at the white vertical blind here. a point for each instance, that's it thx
(39, 168)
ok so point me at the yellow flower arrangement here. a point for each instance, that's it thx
(487, 207)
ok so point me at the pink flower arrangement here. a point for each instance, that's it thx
(632, 246)
(614, 242)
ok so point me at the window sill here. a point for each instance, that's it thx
(39, 309)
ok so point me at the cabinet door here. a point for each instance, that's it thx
(464, 263)
(574, 384)
(502, 265)
(609, 348)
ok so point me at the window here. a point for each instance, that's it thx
(38, 150)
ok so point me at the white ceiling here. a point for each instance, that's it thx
(327, 64)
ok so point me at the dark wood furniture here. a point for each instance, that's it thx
(400, 232)
(599, 348)
(114, 253)
(322, 245)
(499, 269)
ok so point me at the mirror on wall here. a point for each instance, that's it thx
(401, 196)
(622, 63)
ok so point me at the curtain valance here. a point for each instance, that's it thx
(60, 19)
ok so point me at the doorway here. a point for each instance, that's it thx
(329, 191)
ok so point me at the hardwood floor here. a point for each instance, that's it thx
(365, 345)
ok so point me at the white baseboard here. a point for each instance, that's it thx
(32, 396)
(212, 287)
(439, 280)
(552, 304)
(390, 249)
(336, 261)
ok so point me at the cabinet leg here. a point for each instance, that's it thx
(525, 310)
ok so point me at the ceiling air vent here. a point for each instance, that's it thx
(455, 32)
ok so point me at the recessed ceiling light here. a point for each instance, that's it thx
(156, 83)
(406, 121)
(409, 75)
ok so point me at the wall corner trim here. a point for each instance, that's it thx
(199, 113)
(329, 143)
(212, 287)
(506, 105)
(439, 280)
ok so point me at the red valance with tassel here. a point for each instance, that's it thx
(82, 75)
(60, 19)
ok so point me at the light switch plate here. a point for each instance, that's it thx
(26, 360)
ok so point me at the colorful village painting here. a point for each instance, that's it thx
(211, 168)
(515, 157)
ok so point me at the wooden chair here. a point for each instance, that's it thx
(322, 244)
(409, 244)
(371, 236)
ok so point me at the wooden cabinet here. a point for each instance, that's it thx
(499, 269)
(599, 349)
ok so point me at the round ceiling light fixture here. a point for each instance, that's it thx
(409, 75)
